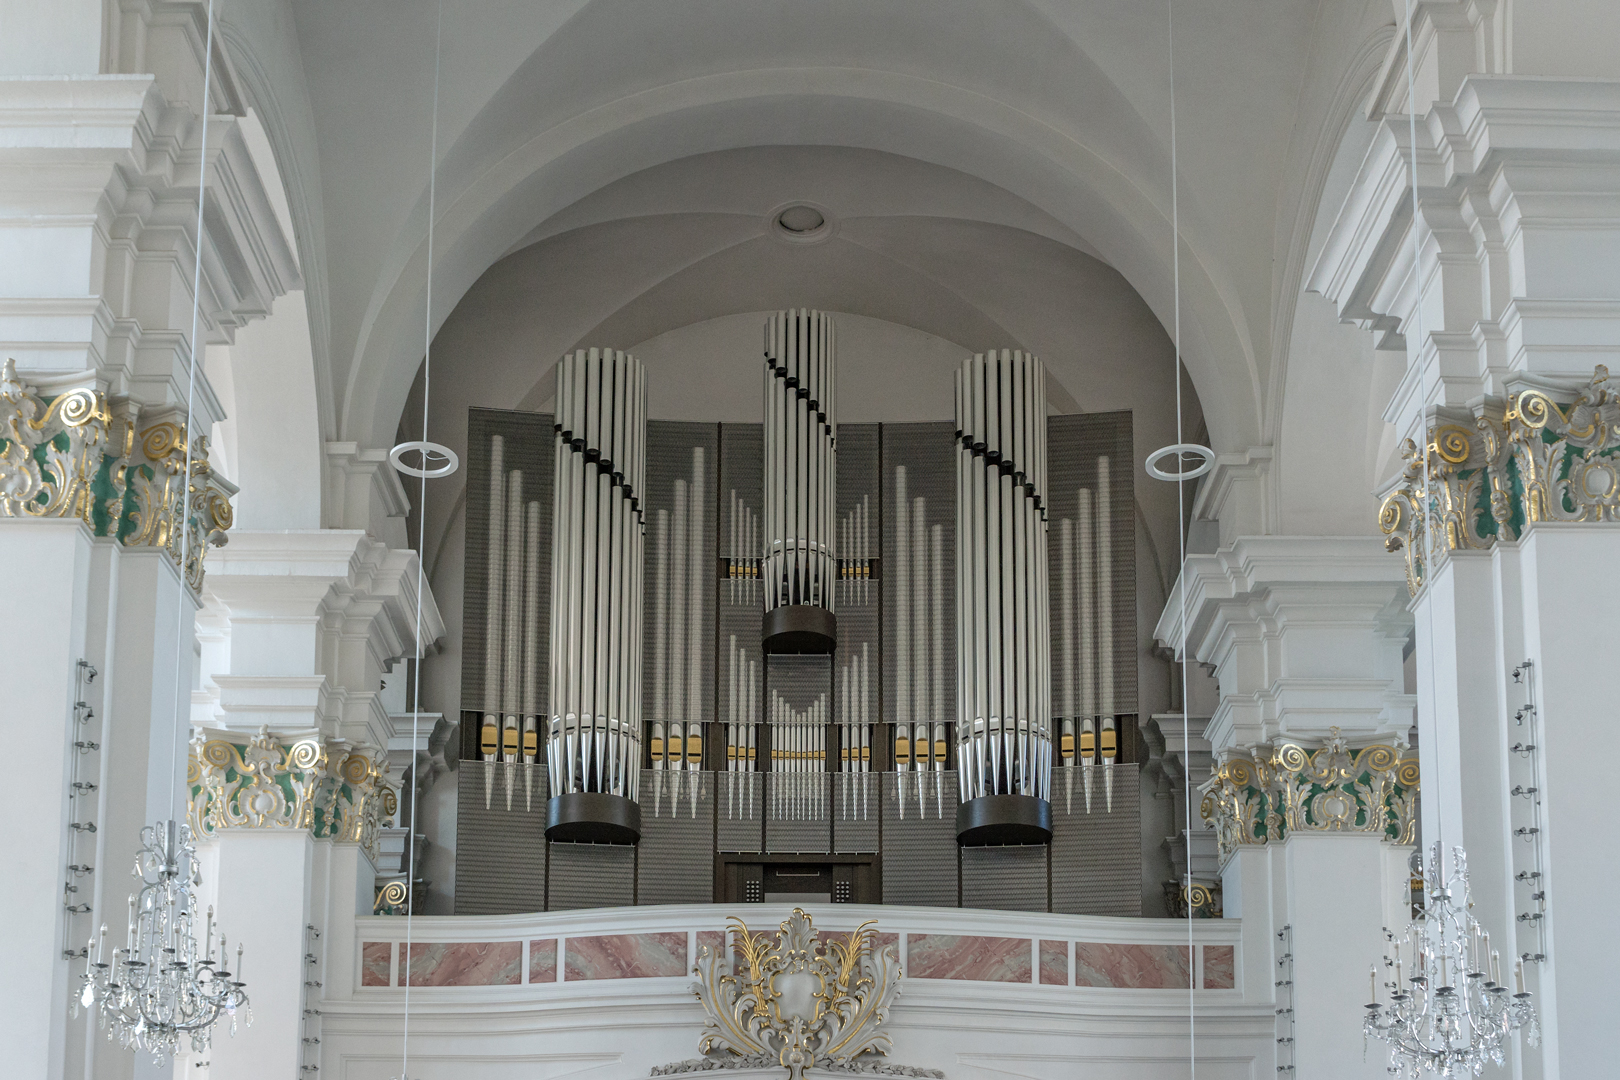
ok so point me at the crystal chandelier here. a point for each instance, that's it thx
(160, 986)
(1452, 1013)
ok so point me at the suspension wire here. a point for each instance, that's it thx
(182, 703)
(421, 542)
(1423, 425)
(1181, 540)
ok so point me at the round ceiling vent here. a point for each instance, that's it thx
(801, 223)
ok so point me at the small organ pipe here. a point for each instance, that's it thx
(531, 648)
(512, 635)
(1088, 618)
(661, 615)
(677, 640)
(489, 738)
(902, 597)
(696, 548)
(1105, 592)
(919, 607)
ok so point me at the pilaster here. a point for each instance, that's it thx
(101, 148)
(314, 619)
(1305, 635)
(45, 576)
(1506, 512)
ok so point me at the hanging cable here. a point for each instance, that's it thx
(1181, 476)
(1423, 415)
(425, 473)
(183, 521)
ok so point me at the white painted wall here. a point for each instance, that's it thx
(619, 1029)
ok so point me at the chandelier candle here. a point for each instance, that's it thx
(1430, 1024)
(160, 987)
(801, 432)
(596, 625)
(1004, 695)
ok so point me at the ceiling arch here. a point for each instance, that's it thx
(1030, 116)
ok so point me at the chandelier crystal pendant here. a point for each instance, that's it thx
(160, 986)
(1452, 1013)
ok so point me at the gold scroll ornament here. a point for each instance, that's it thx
(797, 1000)
(75, 456)
(335, 792)
(1526, 460)
(1260, 795)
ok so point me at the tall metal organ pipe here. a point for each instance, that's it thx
(594, 744)
(1004, 703)
(800, 571)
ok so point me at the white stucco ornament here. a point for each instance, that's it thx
(799, 1002)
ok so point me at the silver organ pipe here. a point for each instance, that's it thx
(531, 650)
(1004, 720)
(800, 562)
(489, 733)
(698, 553)
(512, 688)
(508, 732)
(598, 534)
(1088, 635)
(1106, 735)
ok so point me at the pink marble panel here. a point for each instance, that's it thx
(466, 963)
(375, 959)
(1154, 967)
(543, 960)
(954, 956)
(1219, 967)
(881, 941)
(713, 940)
(1054, 963)
(624, 956)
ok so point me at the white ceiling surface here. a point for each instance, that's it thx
(1061, 106)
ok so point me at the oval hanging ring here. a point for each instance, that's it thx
(1205, 456)
(431, 452)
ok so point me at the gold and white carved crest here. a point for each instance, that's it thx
(797, 1000)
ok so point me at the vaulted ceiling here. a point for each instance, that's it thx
(970, 151)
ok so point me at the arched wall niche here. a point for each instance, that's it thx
(678, 265)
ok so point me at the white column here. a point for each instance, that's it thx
(44, 575)
(1518, 182)
(1338, 889)
(1305, 635)
(100, 188)
(262, 896)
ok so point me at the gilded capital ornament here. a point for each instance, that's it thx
(76, 455)
(1528, 459)
(154, 506)
(1260, 795)
(335, 792)
(61, 456)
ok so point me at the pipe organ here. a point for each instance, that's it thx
(594, 747)
(1004, 736)
(800, 563)
(931, 714)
